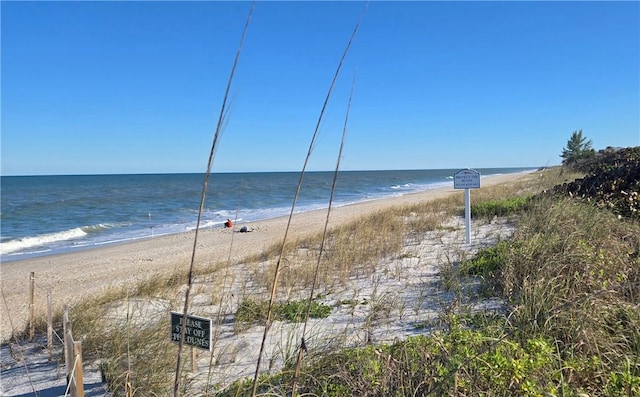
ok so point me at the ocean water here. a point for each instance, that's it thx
(45, 215)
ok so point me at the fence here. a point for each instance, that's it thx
(72, 349)
(72, 357)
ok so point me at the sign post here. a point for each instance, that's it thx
(467, 179)
(197, 331)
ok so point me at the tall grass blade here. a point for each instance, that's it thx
(205, 185)
(302, 346)
(295, 199)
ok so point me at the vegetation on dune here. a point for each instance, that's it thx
(612, 181)
(251, 312)
(459, 362)
(500, 207)
(569, 276)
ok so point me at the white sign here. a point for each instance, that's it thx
(466, 179)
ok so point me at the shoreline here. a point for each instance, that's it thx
(71, 276)
(71, 224)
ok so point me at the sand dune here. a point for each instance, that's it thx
(76, 275)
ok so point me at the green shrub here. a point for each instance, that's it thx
(487, 261)
(295, 311)
(500, 207)
(250, 311)
(459, 362)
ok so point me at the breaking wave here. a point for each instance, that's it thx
(43, 239)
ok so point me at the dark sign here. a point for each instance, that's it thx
(197, 332)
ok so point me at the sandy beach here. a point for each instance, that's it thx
(407, 289)
(72, 276)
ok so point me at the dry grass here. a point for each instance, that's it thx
(576, 276)
(571, 276)
(142, 357)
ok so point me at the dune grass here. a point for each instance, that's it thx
(569, 275)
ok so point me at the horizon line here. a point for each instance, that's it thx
(273, 172)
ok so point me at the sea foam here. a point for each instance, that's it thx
(38, 241)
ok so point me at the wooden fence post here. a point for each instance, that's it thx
(78, 376)
(72, 357)
(65, 327)
(68, 347)
(32, 314)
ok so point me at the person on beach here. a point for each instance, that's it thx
(228, 223)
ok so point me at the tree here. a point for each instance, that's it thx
(578, 149)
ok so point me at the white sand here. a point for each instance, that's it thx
(408, 282)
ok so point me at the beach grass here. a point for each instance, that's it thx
(569, 277)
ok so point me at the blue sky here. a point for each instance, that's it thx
(136, 87)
